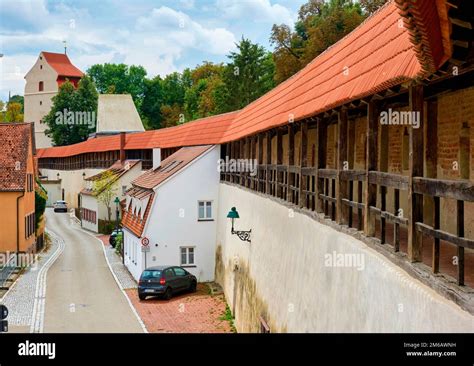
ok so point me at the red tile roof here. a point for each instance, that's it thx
(170, 166)
(375, 56)
(424, 20)
(62, 65)
(133, 222)
(14, 148)
(118, 169)
(142, 187)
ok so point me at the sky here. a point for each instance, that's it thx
(161, 35)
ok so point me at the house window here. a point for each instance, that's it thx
(205, 210)
(41, 102)
(41, 67)
(187, 256)
(29, 225)
(41, 86)
(29, 182)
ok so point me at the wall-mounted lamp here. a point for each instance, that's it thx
(84, 175)
(57, 175)
(243, 235)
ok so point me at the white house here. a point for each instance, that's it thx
(119, 176)
(174, 207)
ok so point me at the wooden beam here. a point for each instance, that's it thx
(341, 185)
(371, 164)
(460, 234)
(415, 201)
(260, 181)
(320, 160)
(279, 176)
(303, 162)
(269, 161)
(290, 177)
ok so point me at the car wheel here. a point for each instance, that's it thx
(168, 293)
(193, 286)
(141, 296)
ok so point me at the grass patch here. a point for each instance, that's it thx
(227, 316)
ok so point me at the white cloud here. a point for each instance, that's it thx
(261, 10)
(184, 32)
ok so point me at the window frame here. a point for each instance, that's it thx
(187, 264)
(205, 218)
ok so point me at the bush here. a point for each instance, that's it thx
(106, 227)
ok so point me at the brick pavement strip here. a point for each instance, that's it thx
(187, 313)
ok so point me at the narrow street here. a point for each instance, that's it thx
(82, 295)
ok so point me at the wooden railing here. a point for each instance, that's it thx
(357, 177)
(461, 191)
(398, 183)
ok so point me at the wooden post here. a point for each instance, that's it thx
(269, 161)
(241, 156)
(460, 249)
(436, 226)
(371, 164)
(260, 187)
(253, 155)
(396, 226)
(341, 185)
(279, 162)
(303, 163)
(432, 204)
(320, 161)
(291, 161)
(415, 201)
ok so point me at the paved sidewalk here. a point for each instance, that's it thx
(187, 313)
(21, 297)
(122, 273)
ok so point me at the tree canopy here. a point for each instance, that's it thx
(73, 114)
(320, 24)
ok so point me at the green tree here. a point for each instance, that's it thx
(119, 79)
(249, 74)
(14, 112)
(320, 24)
(18, 99)
(73, 114)
(152, 101)
(105, 190)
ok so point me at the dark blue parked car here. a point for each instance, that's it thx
(165, 281)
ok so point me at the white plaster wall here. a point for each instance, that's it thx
(34, 111)
(72, 181)
(54, 192)
(296, 292)
(132, 254)
(173, 220)
(90, 202)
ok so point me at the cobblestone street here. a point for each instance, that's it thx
(21, 297)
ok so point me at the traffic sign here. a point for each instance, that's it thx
(145, 249)
(3, 312)
(145, 241)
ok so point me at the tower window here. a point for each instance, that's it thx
(41, 102)
(41, 86)
(41, 67)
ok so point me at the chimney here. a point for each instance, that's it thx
(122, 147)
(156, 157)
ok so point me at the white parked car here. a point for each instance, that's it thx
(60, 206)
